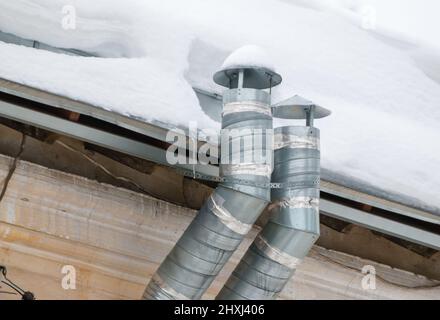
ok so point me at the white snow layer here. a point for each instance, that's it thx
(384, 127)
(138, 87)
(249, 56)
(413, 20)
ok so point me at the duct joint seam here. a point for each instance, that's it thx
(295, 142)
(227, 219)
(298, 203)
(239, 107)
(276, 254)
(253, 169)
(156, 279)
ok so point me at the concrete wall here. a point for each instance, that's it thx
(116, 238)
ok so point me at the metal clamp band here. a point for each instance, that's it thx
(295, 142)
(299, 203)
(252, 169)
(238, 107)
(158, 281)
(227, 218)
(276, 254)
(272, 185)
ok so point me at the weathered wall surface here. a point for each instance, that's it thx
(116, 238)
(49, 150)
(158, 181)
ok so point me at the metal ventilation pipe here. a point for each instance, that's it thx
(230, 212)
(293, 228)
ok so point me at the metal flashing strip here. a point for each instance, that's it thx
(374, 201)
(96, 136)
(381, 224)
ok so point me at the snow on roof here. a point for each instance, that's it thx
(384, 127)
(139, 87)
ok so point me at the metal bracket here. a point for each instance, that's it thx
(272, 185)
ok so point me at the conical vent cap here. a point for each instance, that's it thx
(259, 73)
(297, 108)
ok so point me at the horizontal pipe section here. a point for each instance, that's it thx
(229, 213)
(293, 228)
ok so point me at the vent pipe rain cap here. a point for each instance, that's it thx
(247, 67)
(299, 108)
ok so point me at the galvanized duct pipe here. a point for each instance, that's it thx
(293, 227)
(232, 209)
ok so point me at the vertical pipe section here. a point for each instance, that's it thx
(293, 228)
(230, 212)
